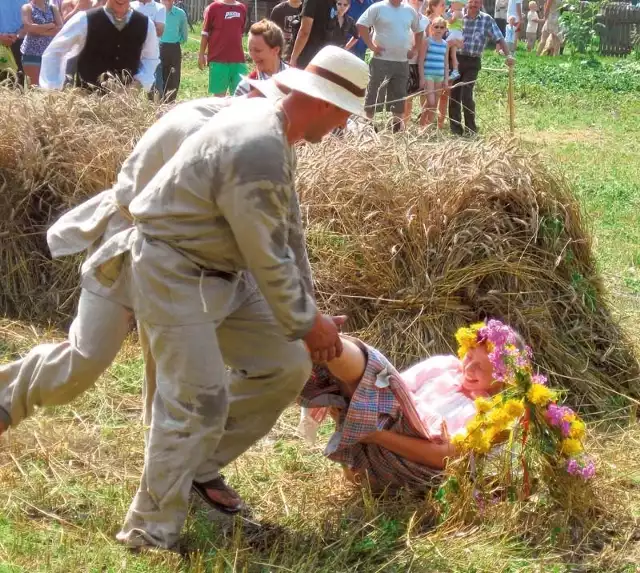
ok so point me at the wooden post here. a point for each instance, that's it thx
(511, 103)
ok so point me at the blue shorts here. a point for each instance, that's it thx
(29, 60)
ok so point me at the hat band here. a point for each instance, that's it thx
(336, 79)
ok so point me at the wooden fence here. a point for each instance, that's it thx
(621, 27)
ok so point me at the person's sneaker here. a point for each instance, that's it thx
(454, 75)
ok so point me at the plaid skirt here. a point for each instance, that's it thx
(380, 402)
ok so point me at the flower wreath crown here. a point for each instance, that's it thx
(525, 406)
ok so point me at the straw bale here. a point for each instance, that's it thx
(410, 237)
(413, 238)
(56, 149)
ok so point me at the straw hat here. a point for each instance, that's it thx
(333, 75)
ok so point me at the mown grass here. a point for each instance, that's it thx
(68, 475)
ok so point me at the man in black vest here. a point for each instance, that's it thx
(114, 40)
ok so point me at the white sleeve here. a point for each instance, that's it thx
(67, 43)
(161, 15)
(149, 58)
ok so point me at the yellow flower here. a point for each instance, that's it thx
(515, 408)
(570, 447)
(467, 338)
(458, 440)
(540, 395)
(482, 405)
(577, 429)
(499, 419)
(473, 424)
(481, 442)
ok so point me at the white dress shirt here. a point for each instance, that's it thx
(70, 41)
(152, 10)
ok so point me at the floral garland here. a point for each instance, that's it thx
(526, 404)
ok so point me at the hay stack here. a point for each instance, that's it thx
(413, 239)
(56, 149)
(410, 238)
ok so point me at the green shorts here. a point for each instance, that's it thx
(434, 78)
(224, 76)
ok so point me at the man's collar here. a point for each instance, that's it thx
(465, 13)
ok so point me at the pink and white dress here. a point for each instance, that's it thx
(435, 387)
(414, 403)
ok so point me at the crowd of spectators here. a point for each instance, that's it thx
(431, 50)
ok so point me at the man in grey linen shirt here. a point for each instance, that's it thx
(392, 21)
(219, 207)
(53, 374)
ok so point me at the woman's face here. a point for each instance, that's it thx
(477, 372)
(438, 9)
(264, 57)
(342, 7)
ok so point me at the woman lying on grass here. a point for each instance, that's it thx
(395, 429)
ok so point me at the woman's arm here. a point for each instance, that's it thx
(352, 42)
(57, 18)
(416, 450)
(36, 29)
(349, 367)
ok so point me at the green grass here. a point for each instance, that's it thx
(68, 475)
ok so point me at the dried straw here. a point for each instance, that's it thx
(413, 238)
(410, 237)
(56, 149)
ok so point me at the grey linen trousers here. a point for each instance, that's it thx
(206, 418)
(268, 369)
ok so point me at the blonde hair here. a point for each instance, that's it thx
(533, 5)
(431, 6)
(439, 20)
(270, 31)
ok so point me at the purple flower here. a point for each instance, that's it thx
(539, 379)
(573, 467)
(554, 414)
(589, 470)
(584, 470)
(560, 417)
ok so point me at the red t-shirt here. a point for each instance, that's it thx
(225, 25)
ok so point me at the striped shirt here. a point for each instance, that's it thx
(244, 88)
(476, 32)
(434, 60)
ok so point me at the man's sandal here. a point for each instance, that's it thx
(217, 484)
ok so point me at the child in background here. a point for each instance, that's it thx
(433, 65)
(413, 85)
(510, 36)
(435, 9)
(532, 25)
(454, 19)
